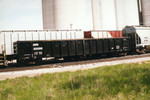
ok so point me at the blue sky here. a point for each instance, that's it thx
(20, 14)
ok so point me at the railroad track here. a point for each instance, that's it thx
(62, 63)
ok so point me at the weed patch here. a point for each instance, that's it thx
(125, 81)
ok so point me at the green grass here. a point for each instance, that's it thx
(119, 82)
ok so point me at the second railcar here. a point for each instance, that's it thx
(36, 50)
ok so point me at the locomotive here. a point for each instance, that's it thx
(131, 39)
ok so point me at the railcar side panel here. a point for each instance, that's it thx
(100, 46)
(64, 48)
(37, 49)
(93, 46)
(48, 49)
(87, 47)
(106, 45)
(126, 44)
(56, 48)
(72, 47)
(111, 45)
(23, 48)
(118, 44)
(79, 47)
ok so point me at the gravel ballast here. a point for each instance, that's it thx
(71, 68)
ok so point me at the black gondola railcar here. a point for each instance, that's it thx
(36, 50)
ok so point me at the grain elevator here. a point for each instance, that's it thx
(94, 14)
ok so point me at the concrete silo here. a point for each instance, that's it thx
(103, 12)
(66, 14)
(127, 13)
(48, 14)
(114, 14)
(146, 12)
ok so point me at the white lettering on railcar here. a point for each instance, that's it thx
(117, 47)
(38, 48)
(35, 44)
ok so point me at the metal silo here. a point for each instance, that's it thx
(146, 12)
(67, 14)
